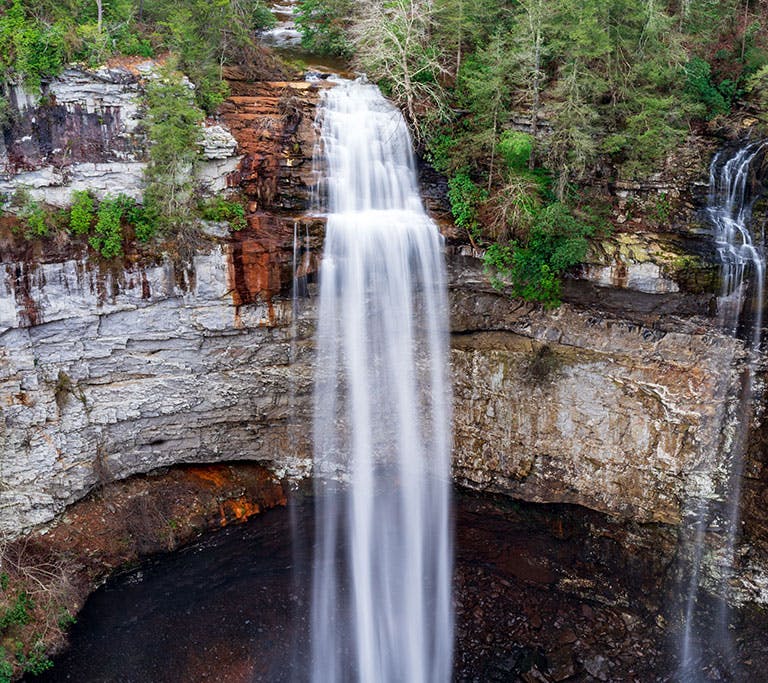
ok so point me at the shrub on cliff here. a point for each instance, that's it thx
(533, 268)
(174, 134)
(108, 232)
(81, 213)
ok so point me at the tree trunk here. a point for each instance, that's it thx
(99, 15)
(536, 103)
(744, 29)
(493, 146)
(459, 38)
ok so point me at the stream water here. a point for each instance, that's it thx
(381, 415)
(538, 592)
(706, 641)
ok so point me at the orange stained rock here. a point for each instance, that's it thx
(237, 510)
(217, 475)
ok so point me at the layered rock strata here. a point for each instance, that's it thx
(85, 131)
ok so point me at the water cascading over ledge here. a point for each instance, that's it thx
(381, 588)
(706, 643)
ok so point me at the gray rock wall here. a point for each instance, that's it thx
(120, 374)
(84, 132)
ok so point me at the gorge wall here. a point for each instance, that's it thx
(615, 401)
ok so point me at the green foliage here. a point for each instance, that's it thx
(81, 213)
(323, 25)
(220, 209)
(108, 232)
(174, 133)
(35, 661)
(66, 619)
(34, 218)
(515, 149)
(6, 113)
(557, 241)
(144, 219)
(29, 48)
(5, 581)
(18, 613)
(757, 88)
(716, 99)
(465, 197)
(37, 37)
(6, 668)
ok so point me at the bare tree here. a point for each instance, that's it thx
(393, 46)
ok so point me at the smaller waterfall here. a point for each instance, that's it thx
(740, 309)
(729, 210)
(381, 606)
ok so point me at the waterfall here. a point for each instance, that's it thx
(706, 641)
(381, 598)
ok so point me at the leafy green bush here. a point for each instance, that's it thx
(556, 242)
(18, 613)
(715, 99)
(108, 233)
(144, 218)
(219, 209)
(465, 197)
(35, 661)
(81, 213)
(6, 668)
(32, 214)
(30, 48)
(515, 149)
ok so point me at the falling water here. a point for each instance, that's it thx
(381, 588)
(729, 210)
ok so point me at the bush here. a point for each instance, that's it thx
(219, 209)
(144, 219)
(18, 613)
(556, 242)
(515, 149)
(465, 197)
(6, 668)
(31, 213)
(715, 99)
(81, 213)
(108, 233)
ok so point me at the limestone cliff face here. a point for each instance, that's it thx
(84, 131)
(613, 402)
(123, 373)
(107, 373)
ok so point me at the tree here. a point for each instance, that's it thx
(174, 133)
(486, 85)
(393, 45)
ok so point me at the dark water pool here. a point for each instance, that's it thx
(543, 594)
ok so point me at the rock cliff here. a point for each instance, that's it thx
(84, 131)
(614, 402)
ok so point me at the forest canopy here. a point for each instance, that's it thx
(525, 104)
(38, 37)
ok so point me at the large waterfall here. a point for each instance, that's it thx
(706, 641)
(381, 606)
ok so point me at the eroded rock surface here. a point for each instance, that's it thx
(84, 131)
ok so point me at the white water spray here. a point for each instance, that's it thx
(382, 580)
(729, 210)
